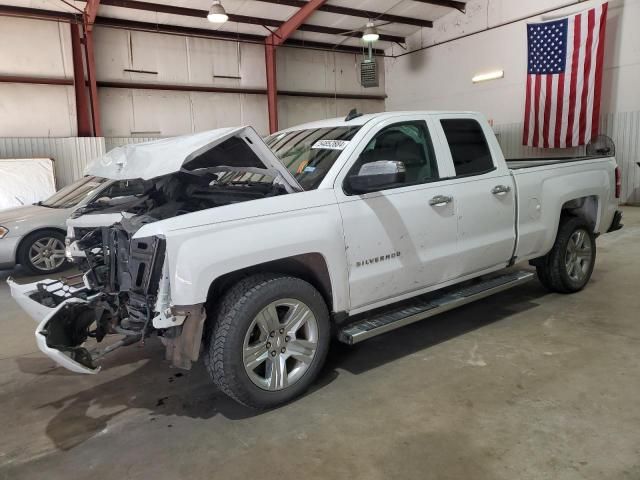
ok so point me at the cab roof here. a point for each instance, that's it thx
(365, 118)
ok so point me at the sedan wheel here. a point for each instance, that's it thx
(47, 254)
(43, 252)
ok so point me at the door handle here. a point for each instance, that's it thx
(501, 190)
(440, 200)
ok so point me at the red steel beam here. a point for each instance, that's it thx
(82, 99)
(274, 40)
(35, 80)
(90, 13)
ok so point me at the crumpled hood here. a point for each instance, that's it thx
(168, 155)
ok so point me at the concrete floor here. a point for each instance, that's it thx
(523, 385)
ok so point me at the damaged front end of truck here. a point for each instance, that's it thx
(123, 294)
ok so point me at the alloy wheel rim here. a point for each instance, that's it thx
(578, 255)
(280, 344)
(47, 253)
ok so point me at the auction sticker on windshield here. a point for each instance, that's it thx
(330, 144)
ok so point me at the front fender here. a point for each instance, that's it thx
(197, 256)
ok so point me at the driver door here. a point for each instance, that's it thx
(398, 239)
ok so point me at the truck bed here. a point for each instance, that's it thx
(518, 163)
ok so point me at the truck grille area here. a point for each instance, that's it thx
(127, 271)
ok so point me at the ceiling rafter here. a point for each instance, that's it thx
(353, 12)
(194, 12)
(460, 6)
(58, 16)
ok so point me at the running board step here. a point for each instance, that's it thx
(429, 305)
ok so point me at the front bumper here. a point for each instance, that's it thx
(616, 223)
(8, 250)
(46, 316)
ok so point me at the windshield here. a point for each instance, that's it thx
(73, 194)
(310, 154)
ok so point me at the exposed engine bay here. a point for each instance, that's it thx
(124, 285)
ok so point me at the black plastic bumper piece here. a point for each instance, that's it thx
(616, 225)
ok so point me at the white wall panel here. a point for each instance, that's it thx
(44, 110)
(255, 113)
(70, 155)
(35, 47)
(216, 110)
(161, 113)
(296, 110)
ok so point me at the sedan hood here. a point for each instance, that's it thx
(169, 155)
(19, 214)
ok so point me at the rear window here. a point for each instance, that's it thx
(468, 145)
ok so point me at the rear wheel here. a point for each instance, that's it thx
(567, 268)
(42, 252)
(269, 341)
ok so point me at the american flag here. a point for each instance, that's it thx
(564, 79)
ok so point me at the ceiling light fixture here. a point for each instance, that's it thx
(370, 33)
(483, 77)
(217, 13)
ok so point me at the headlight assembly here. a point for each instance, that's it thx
(3, 232)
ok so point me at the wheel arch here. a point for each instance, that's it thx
(310, 267)
(586, 207)
(27, 235)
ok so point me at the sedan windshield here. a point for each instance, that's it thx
(310, 154)
(73, 194)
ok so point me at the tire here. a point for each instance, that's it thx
(52, 243)
(567, 268)
(253, 354)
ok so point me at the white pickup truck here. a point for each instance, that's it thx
(257, 253)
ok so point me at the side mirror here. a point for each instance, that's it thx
(376, 176)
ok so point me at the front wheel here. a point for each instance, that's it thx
(568, 266)
(42, 252)
(269, 341)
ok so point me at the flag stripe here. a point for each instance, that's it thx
(584, 111)
(536, 116)
(527, 112)
(547, 110)
(560, 111)
(574, 79)
(599, 69)
(567, 88)
(531, 113)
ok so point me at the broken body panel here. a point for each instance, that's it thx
(126, 288)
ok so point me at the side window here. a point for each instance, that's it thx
(468, 145)
(407, 144)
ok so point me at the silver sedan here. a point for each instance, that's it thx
(34, 235)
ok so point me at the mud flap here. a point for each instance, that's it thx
(183, 347)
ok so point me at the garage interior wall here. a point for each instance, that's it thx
(30, 110)
(439, 77)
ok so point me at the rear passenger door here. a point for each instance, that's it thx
(483, 193)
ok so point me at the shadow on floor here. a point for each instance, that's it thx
(164, 392)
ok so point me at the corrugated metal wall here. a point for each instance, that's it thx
(70, 155)
(623, 128)
(113, 142)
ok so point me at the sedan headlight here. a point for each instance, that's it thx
(3, 232)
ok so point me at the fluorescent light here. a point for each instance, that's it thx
(370, 33)
(483, 77)
(217, 13)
